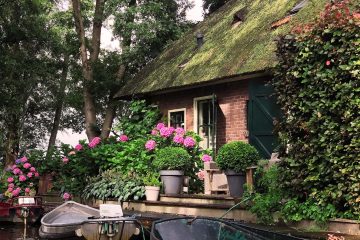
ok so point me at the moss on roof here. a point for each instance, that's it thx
(249, 47)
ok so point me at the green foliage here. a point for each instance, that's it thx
(295, 210)
(152, 179)
(210, 6)
(139, 119)
(266, 200)
(45, 162)
(317, 82)
(172, 158)
(112, 184)
(237, 156)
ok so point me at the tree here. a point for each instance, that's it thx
(144, 27)
(210, 6)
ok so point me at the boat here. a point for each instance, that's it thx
(74, 219)
(199, 228)
(17, 208)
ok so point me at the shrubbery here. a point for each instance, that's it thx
(318, 84)
(172, 158)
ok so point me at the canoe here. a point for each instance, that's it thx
(15, 209)
(72, 218)
(210, 229)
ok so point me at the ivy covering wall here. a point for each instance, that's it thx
(317, 82)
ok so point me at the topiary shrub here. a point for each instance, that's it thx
(237, 156)
(172, 158)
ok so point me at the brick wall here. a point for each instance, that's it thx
(232, 118)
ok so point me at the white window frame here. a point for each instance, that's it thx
(196, 110)
(177, 110)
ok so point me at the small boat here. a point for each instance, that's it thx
(72, 218)
(199, 228)
(15, 209)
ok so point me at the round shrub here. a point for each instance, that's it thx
(237, 156)
(172, 158)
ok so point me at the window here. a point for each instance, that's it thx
(177, 118)
(205, 120)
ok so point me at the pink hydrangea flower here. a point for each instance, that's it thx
(65, 160)
(10, 179)
(206, 158)
(13, 167)
(166, 132)
(11, 185)
(27, 190)
(66, 196)
(16, 171)
(180, 131)
(78, 147)
(179, 139)
(150, 145)
(189, 142)
(94, 142)
(22, 178)
(201, 175)
(27, 165)
(32, 169)
(15, 193)
(23, 159)
(154, 132)
(29, 175)
(123, 138)
(36, 174)
(159, 126)
(10, 189)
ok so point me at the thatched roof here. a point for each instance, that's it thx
(229, 49)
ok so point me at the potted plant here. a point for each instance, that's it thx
(233, 158)
(171, 161)
(152, 186)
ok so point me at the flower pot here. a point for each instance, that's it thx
(236, 183)
(172, 181)
(152, 193)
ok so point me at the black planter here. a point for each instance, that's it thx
(172, 181)
(236, 183)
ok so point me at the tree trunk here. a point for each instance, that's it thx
(89, 106)
(59, 103)
(12, 141)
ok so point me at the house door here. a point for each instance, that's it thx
(262, 114)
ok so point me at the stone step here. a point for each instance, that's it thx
(199, 198)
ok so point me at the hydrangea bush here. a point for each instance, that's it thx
(21, 178)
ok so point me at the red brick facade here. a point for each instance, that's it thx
(232, 115)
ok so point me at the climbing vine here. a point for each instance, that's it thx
(317, 82)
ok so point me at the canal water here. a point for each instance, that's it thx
(11, 231)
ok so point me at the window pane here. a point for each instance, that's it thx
(177, 119)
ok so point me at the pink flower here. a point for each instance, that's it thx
(180, 131)
(16, 171)
(201, 175)
(13, 167)
(94, 142)
(150, 145)
(178, 139)
(189, 142)
(65, 160)
(23, 159)
(206, 158)
(10, 189)
(78, 147)
(27, 165)
(10, 179)
(27, 190)
(159, 126)
(72, 153)
(36, 174)
(154, 132)
(166, 132)
(32, 169)
(66, 196)
(22, 178)
(328, 62)
(15, 193)
(30, 174)
(11, 185)
(123, 138)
